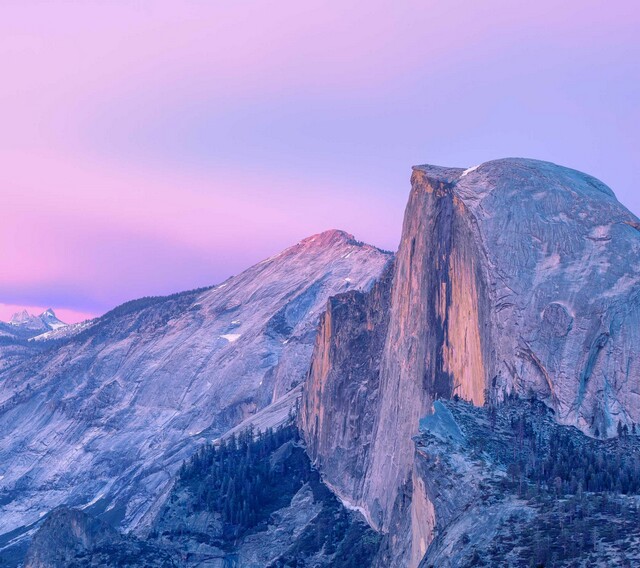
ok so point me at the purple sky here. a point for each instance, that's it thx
(151, 147)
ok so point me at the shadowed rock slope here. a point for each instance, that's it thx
(70, 538)
(535, 493)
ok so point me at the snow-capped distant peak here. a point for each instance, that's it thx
(23, 318)
(49, 318)
(29, 324)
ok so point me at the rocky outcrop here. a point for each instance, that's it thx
(69, 538)
(534, 492)
(513, 276)
(102, 419)
(561, 260)
(64, 535)
(436, 342)
(341, 392)
(424, 338)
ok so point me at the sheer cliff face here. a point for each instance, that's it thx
(414, 338)
(104, 419)
(514, 275)
(434, 346)
(340, 398)
(562, 260)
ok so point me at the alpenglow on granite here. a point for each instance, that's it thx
(513, 276)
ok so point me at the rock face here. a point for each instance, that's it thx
(64, 535)
(533, 489)
(341, 392)
(103, 419)
(516, 275)
(549, 264)
(70, 538)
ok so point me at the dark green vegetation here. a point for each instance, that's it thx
(251, 501)
(541, 456)
(238, 480)
(245, 480)
(581, 495)
(570, 532)
(124, 553)
(133, 306)
(335, 532)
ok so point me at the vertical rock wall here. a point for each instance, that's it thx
(514, 275)
(434, 344)
(340, 399)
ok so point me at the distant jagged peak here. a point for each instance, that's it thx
(47, 320)
(51, 319)
(23, 317)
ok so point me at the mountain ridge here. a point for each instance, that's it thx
(129, 397)
(508, 318)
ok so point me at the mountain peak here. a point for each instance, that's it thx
(30, 324)
(328, 238)
(505, 172)
(51, 320)
(21, 318)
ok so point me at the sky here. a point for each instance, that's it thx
(153, 147)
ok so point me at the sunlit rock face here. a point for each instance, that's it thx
(514, 275)
(435, 345)
(103, 419)
(383, 357)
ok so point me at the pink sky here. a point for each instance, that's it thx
(66, 315)
(148, 148)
